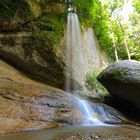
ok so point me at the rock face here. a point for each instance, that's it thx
(14, 14)
(28, 105)
(32, 39)
(122, 79)
(30, 34)
(33, 57)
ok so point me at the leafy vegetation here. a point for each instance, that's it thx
(120, 39)
(87, 10)
(92, 82)
(108, 25)
(136, 4)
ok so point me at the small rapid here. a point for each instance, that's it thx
(94, 113)
(88, 110)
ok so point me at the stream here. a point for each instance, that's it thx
(77, 132)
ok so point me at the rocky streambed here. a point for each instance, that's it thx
(122, 80)
(102, 133)
(79, 133)
(27, 105)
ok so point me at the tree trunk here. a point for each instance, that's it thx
(116, 54)
(127, 50)
(124, 38)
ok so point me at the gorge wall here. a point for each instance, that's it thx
(29, 38)
(33, 36)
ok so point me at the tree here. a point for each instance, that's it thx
(115, 37)
(136, 4)
(115, 48)
(134, 35)
(123, 27)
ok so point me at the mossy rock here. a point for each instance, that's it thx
(37, 51)
(48, 28)
(14, 13)
(122, 80)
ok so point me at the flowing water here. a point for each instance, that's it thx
(74, 56)
(89, 111)
(75, 69)
(104, 133)
(94, 56)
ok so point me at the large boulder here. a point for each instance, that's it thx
(122, 79)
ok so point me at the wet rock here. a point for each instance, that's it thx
(122, 79)
(100, 133)
(28, 105)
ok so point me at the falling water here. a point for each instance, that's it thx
(90, 111)
(94, 56)
(75, 66)
(74, 56)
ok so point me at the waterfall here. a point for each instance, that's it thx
(83, 53)
(93, 54)
(75, 68)
(88, 110)
(94, 114)
(74, 56)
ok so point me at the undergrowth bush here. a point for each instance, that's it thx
(92, 82)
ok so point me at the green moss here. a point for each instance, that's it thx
(88, 10)
(56, 22)
(51, 29)
(14, 8)
(49, 38)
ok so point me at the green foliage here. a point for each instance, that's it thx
(136, 4)
(55, 22)
(91, 13)
(96, 14)
(119, 31)
(49, 38)
(85, 9)
(134, 36)
(114, 4)
(92, 82)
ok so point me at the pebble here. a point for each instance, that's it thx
(96, 137)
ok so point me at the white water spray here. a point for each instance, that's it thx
(75, 68)
(88, 110)
(74, 56)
